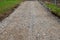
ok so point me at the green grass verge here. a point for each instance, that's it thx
(54, 8)
(6, 5)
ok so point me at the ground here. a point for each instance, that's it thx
(30, 21)
(7, 7)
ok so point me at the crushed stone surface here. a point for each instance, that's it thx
(30, 21)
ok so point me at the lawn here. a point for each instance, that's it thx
(55, 9)
(7, 6)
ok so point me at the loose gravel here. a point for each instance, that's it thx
(30, 21)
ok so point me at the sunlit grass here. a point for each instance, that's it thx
(6, 5)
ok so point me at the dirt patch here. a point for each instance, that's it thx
(6, 14)
(55, 14)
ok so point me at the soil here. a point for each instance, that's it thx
(55, 14)
(6, 14)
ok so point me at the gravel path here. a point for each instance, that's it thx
(30, 21)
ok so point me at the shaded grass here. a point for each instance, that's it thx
(55, 9)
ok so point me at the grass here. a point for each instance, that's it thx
(54, 8)
(6, 5)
